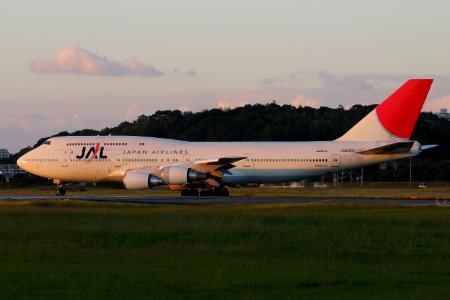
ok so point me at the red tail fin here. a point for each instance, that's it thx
(395, 117)
(399, 112)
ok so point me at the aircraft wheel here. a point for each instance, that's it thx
(204, 193)
(225, 193)
(193, 192)
(216, 192)
(60, 192)
(189, 192)
(222, 192)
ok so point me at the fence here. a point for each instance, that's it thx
(414, 184)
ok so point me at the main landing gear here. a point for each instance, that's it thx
(189, 192)
(60, 191)
(215, 192)
(221, 191)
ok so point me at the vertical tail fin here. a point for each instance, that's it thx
(394, 118)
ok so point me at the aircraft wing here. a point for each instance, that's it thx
(215, 167)
(218, 162)
(210, 165)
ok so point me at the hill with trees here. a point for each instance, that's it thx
(273, 122)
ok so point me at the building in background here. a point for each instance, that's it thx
(4, 154)
(444, 114)
(9, 170)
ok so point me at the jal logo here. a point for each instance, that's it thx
(93, 152)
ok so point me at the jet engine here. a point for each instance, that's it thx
(141, 181)
(181, 175)
(169, 176)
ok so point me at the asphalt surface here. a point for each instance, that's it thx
(171, 200)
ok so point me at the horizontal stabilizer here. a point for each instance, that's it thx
(395, 148)
(426, 147)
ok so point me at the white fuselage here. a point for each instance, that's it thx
(72, 158)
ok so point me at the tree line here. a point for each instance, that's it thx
(273, 122)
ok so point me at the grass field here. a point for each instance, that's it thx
(73, 250)
(309, 192)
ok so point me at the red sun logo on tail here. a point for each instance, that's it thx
(399, 112)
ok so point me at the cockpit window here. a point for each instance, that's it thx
(47, 143)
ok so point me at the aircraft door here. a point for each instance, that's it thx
(335, 160)
(247, 162)
(117, 161)
(64, 155)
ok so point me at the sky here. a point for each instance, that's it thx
(69, 65)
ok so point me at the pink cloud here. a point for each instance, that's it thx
(76, 60)
(250, 95)
(435, 105)
(302, 100)
(350, 82)
(228, 105)
(184, 108)
(30, 122)
(132, 111)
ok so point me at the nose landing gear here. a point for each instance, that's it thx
(60, 191)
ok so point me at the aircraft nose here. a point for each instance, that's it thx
(21, 161)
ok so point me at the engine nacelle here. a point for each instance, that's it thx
(181, 175)
(141, 181)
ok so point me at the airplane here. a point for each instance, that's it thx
(146, 162)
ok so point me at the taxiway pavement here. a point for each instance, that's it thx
(173, 200)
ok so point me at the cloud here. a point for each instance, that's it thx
(349, 82)
(189, 73)
(76, 60)
(227, 105)
(435, 105)
(24, 121)
(270, 81)
(184, 108)
(296, 76)
(302, 100)
(281, 96)
(18, 129)
(30, 122)
(251, 95)
(132, 111)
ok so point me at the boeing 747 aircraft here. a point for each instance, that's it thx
(146, 162)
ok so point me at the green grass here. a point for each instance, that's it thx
(79, 250)
(308, 192)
